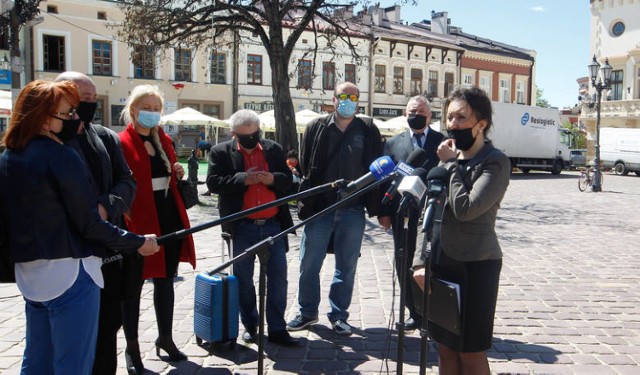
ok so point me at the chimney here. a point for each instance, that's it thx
(440, 22)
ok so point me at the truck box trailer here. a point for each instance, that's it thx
(620, 150)
(532, 137)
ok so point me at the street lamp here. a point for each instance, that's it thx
(599, 83)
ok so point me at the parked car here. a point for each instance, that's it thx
(578, 158)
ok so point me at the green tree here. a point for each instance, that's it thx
(541, 101)
(578, 137)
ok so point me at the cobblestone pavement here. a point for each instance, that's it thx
(569, 298)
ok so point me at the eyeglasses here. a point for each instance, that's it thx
(353, 97)
(66, 116)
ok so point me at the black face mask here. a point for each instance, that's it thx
(69, 130)
(463, 138)
(417, 121)
(86, 111)
(249, 141)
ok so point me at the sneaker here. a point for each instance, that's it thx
(341, 327)
(301, 322)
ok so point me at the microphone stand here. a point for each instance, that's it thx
(261, 250)
(239, 215)
(403, 217)
(427, 225)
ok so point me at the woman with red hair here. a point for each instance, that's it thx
(54, 230)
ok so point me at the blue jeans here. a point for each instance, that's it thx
(246, 235)
(347, 226)
(61, 333)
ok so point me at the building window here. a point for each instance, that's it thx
(305, 74)
(485, 84)
(144, 62)
(53, 53)
(182, 64)
(617, 29)
(218, 68)
(350, 73)
(616, 85)
(448, 84)
(52, 9)
(467, 80)
(520, 97)
(254, 69)
(102, 15)
(379, 80)
(328, 76)
(505, 93)
(398, 80)
(99, 116)
(433, 83)
(416, 81)
(101, 58)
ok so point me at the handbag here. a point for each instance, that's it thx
(188, 192)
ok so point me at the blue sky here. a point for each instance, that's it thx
(558, 30)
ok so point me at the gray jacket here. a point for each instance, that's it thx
(474, 193)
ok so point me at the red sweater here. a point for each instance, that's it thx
(143, 218)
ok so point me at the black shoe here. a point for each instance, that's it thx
(412, 324)
(249, 335)
(206, 193)
(134, 362)
(167, 344)
(283, 338)
(301, 322)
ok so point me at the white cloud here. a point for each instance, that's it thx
(537, 9)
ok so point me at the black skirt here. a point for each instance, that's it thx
(478, 295)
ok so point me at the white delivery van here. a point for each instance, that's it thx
(620, 150)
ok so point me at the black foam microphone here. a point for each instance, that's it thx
(415, 160)
(436, 187)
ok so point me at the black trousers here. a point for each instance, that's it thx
(110, 320)
(410, 249)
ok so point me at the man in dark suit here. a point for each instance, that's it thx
(245, 172)
(399, 147)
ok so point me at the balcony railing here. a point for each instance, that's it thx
(614, 108)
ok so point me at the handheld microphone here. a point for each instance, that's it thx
(437, 182)
(413, 185)
(380, 168)
(417, 158)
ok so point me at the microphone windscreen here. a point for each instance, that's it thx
(420, 172)
(381, 167)
(438, 173)
(417, 158)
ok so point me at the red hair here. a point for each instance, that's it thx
(37, 101)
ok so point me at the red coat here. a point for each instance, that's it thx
(143, 218)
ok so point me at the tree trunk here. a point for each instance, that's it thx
(284, 113)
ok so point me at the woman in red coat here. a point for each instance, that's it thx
(157, 208)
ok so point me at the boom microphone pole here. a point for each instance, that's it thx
(261, 250)
(239, 215)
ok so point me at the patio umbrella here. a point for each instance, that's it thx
(189, 116)
(304, 117)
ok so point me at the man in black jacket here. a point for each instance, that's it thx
(115, 188)
(338, 146)
(399, 147)
(245, 172)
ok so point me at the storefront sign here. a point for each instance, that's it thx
(5, 77)
(259, 107)
(387, 112)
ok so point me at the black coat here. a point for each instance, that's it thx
(399, 148)
(46, 195)
(226, 175)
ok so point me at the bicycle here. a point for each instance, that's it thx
(587, 178)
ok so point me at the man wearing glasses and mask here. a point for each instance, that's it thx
(337, 146)
(114, 185)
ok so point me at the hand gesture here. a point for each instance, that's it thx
(447, 150)
(150, 245)
(251, 177)
(385, 222)
(265, 178)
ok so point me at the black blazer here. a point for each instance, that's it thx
(226, 175)
(400, 147)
